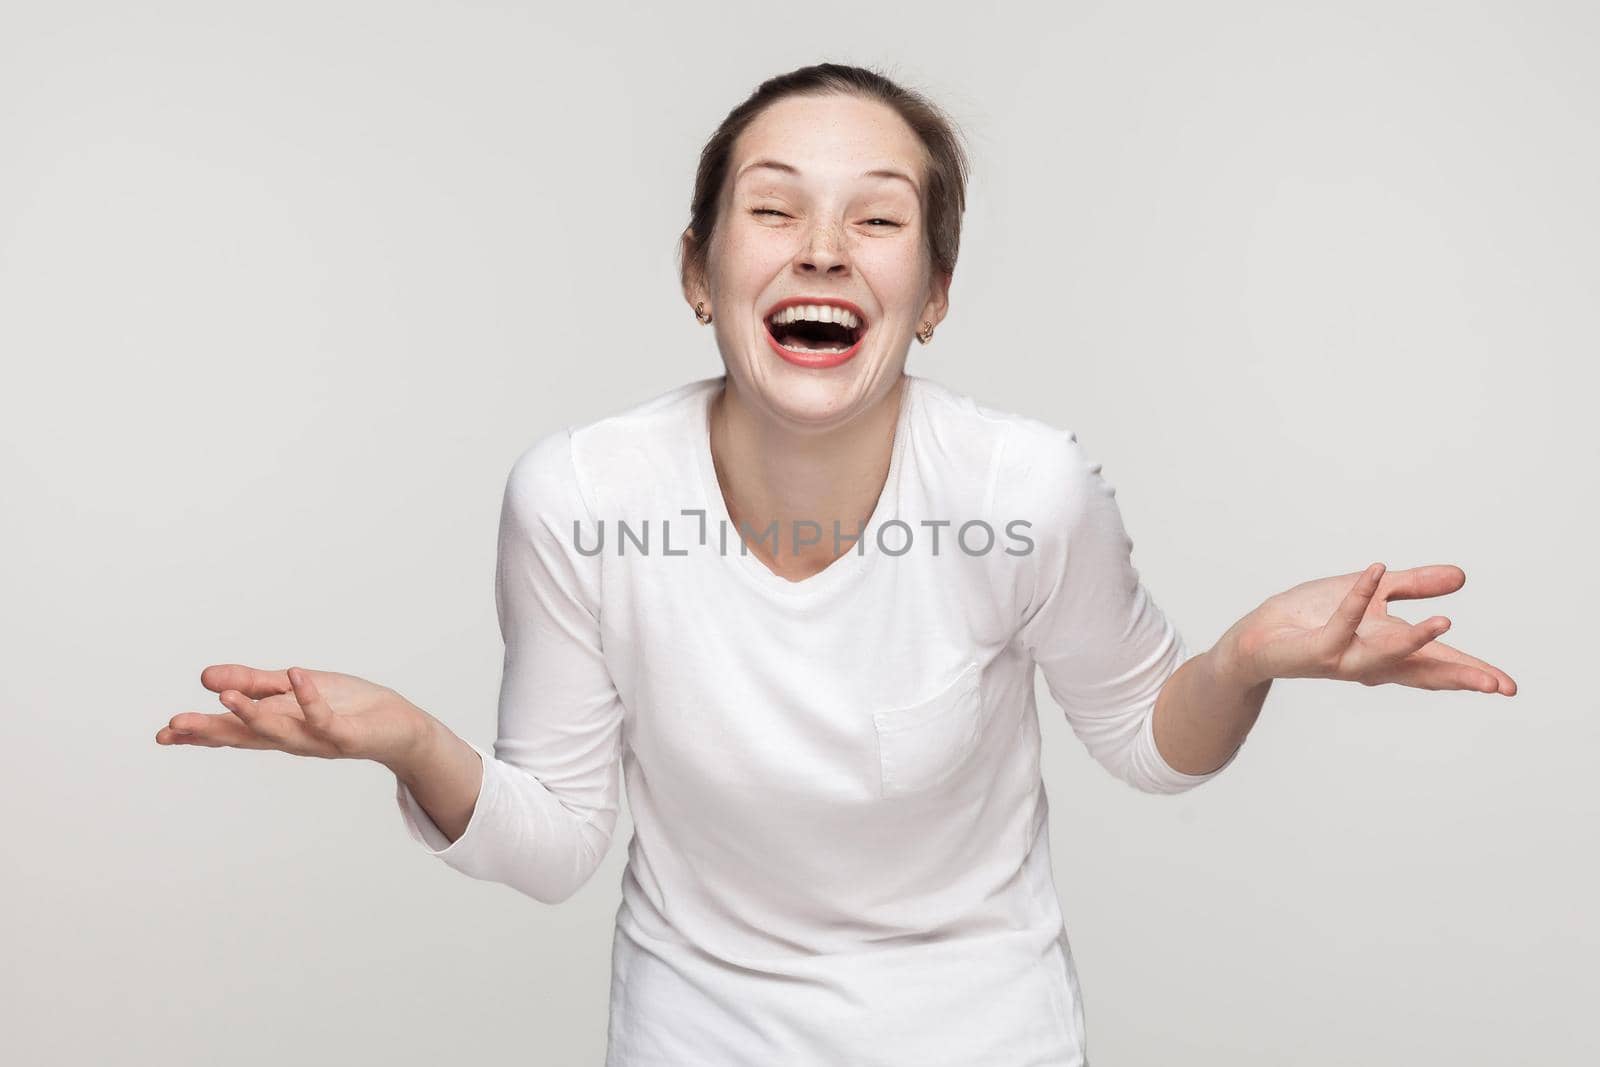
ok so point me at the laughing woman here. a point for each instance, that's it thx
(818, 681)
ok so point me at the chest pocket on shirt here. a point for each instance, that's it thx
(920, 745)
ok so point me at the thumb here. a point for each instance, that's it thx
(319, 716)
(1340, 630)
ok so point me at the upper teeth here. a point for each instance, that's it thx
(816, 313)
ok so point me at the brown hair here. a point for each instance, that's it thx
(944, 192)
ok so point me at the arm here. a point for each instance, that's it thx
(1205, 711)
(537, 812)
(444, 776)
(1111, 657)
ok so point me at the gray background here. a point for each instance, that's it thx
(284, 290)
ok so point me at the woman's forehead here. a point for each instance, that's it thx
(827, 136)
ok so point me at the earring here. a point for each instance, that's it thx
(926, 333)
(700, 313)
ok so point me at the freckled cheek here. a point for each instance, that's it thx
(758, 250)
(892, 276)
(884, 259)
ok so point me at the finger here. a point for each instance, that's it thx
(1410, 639)
(214, 731)
(250, 681)
(1450, 654)
(1415, 583)
(168, 736)
(318, 715)
(286, 732)
(204, 722)
(1339, 630)
(1439, 674)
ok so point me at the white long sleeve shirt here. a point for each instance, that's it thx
(839, 852)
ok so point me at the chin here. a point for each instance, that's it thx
(806, 397)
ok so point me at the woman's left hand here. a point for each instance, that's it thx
(1340, 627)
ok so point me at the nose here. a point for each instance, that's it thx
(822, 252)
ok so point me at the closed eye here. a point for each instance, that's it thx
(771, 211)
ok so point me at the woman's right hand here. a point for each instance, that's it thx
(302, 712)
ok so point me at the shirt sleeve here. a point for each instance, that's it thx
(549, 796)
(1103, 643)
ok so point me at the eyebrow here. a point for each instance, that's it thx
(773, 164)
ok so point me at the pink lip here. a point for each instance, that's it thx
(815, 360)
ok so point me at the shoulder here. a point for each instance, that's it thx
(542, 491)
(1028, 468)
(1053, 484)
(1043, 473)
(580, 469)
(960, 444)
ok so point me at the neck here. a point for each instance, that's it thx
(774, 473)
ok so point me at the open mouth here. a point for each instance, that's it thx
(817, 338)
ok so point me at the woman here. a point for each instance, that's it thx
(827, 730)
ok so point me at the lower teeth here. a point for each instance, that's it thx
(828, 351)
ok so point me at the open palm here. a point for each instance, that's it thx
(1340, 627)
(299, 711)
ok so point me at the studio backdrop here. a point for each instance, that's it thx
(285, 289)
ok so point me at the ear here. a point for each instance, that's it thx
(694, 287)
(938, 300)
